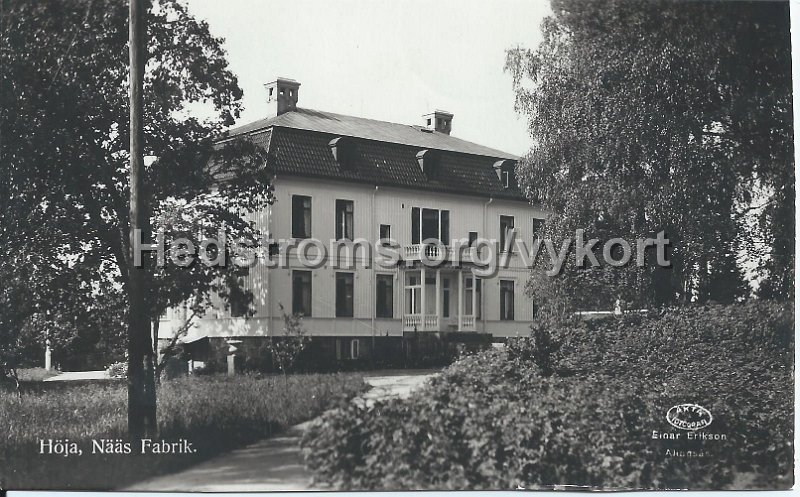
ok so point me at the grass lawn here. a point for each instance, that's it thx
(214, 413)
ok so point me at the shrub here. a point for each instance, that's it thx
(494, 421)
(118, 370)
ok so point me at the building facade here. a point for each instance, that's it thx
(353, 185)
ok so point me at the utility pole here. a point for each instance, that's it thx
(141, 384)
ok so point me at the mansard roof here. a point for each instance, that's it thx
(379, 153)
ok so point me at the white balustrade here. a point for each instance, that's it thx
(468, 322)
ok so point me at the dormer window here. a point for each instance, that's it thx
(342, 149)
(505, 173)
(428, 161)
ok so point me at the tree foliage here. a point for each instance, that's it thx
(666, 115)
(64, 156)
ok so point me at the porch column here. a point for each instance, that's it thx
(474, 300)
(422, 296)
(460, 301)
(401, 276)
(438, 296)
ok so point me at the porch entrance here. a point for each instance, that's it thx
(440, 299)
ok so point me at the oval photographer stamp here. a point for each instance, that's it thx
(689, 417)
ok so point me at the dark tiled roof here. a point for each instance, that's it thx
(298, 145)
(303, 153)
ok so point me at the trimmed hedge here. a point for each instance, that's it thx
(497, 420)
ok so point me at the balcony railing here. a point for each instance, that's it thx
(418, 322)
(432, 322)
(436, 252)
(431, 251)
(468, 323)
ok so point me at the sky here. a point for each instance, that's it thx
(387, 60)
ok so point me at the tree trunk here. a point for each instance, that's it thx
(141, 380)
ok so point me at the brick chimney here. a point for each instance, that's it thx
(439, 120)
(282, 95)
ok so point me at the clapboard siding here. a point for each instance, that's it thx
(373, 206)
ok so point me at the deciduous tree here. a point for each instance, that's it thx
(666, 115)
(64, 149)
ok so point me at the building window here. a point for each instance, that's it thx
(430, 224)
(344, 295)
(536, 227)
(473, 238)
(385, 232)
(344, 219)
(506, 178)
(384, 296)
(468, 297)
(506, 300)
(445, 298)
(273, 249)
(237, 298)
(413, 295)
(354, 345)
(301, 293)
(301, 216)
(506, 226)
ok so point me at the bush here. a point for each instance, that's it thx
(215, 413)
(495, 421)
(117, 370)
